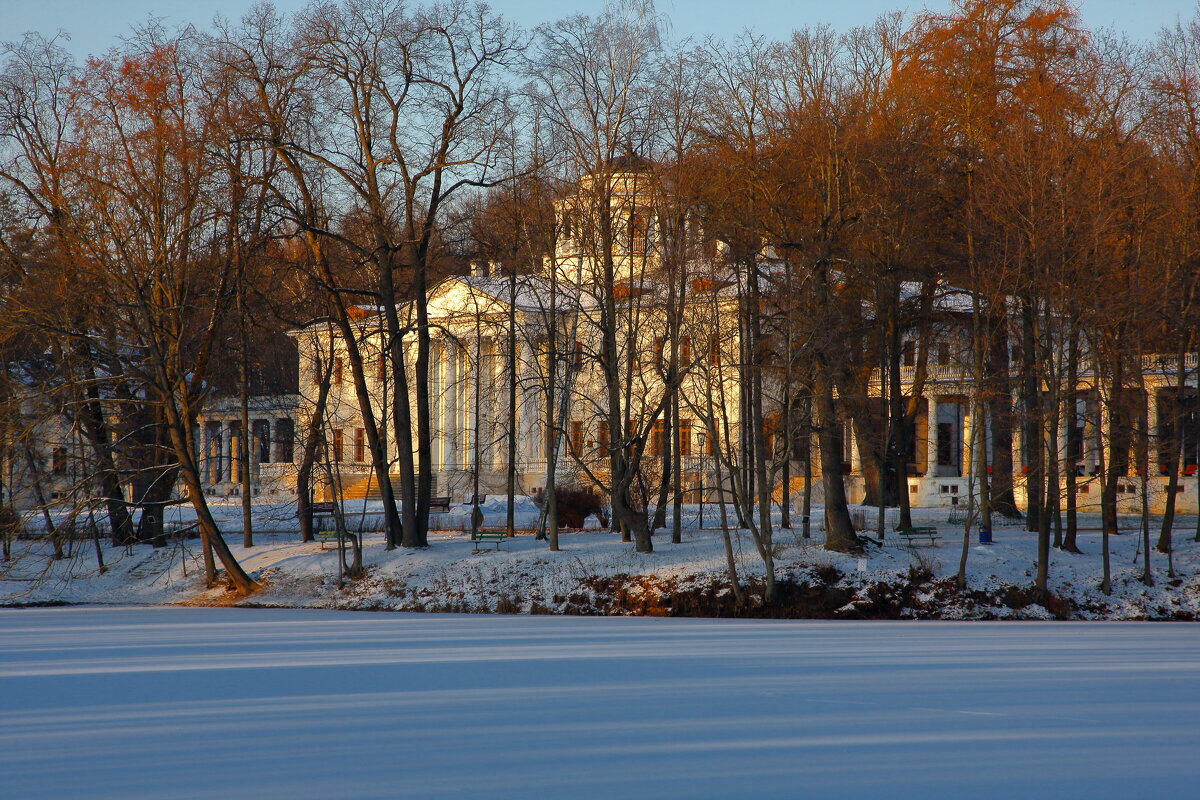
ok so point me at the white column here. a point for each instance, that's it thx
(853, 456)
(931, 459)
(211, 456)
(226, 471)
(437, 402)
(968, 457)
(1103, 438)
(529, 400)
(256, 447)
(471, 374)
(1017, 444)
(1152, 441)
(450, 406)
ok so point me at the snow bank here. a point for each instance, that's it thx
(596, 573)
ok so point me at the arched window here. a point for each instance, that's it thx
(638, 230)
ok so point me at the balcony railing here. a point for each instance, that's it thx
(1167, 363)
(934, 372)
(1154, 364)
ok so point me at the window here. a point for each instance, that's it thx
(685, 437)
(604, 436)
(908, 354)
(285, 434)
(714, 351)
(338, 442)
(943, 354)
(685, 351)
(945, 444)
(337, 371)
(262, 440)
(658, 439)
(360, 445)
(58, 461)
(659, 343)
(576, 437)
(578, 356)
(382, 368)
(637, 234)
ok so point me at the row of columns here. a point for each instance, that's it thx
(1092, 437)
(221, 463)
(455, 385)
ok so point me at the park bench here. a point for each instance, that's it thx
(479, 537)
(917, 533)
(322, 513)
(439, 504)
(326, 536)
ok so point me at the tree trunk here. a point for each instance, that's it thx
(210, 534)
(1072, 416)
(244, 438)
(1032, 424)
(839, 531)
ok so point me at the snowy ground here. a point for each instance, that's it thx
(596, 573)
(200, 702)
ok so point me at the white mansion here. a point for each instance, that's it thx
(494, 382)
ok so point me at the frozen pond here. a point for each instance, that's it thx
(191, 702)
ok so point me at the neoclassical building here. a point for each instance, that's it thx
(520, 359)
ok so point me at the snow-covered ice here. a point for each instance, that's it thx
(199, 702)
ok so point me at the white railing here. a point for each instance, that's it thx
(277, 469)
(1166, 363)
(934, 372)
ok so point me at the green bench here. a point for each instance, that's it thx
(479, 537)
(322, 513)
(914, 534)
(325, 537)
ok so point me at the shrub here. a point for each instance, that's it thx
(577, 503)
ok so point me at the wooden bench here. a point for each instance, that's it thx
(439, 505)
(911, 535)
(324, 537)
(321, 512)
(479, 537)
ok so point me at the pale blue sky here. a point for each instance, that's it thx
(94, 25)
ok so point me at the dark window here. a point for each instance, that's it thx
(360, 445)
(945, 444)
(285, 435)
(58, 461)
(338, 443)
(576, 437)
(908, 354)
(262, 440)
(337, 371)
